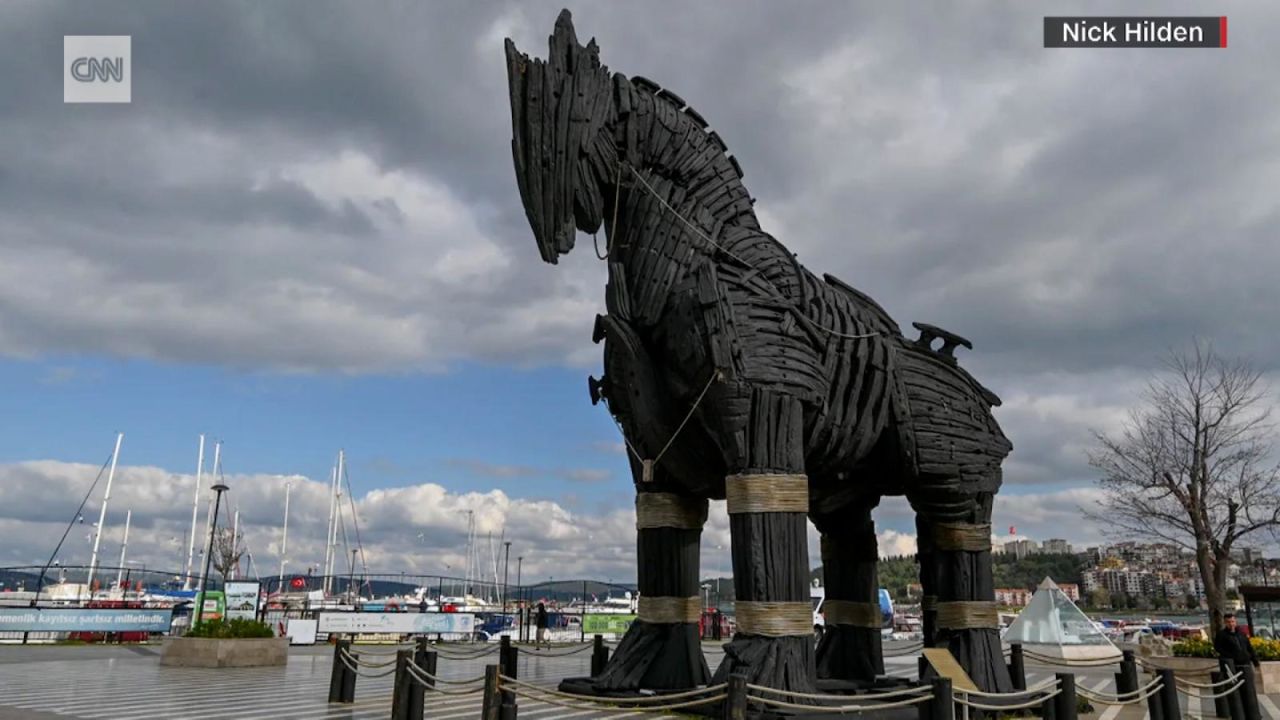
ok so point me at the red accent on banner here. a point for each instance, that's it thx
(1222, 31)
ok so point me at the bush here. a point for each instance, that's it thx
(1194, 647)
(237, 628)
(1265, 649)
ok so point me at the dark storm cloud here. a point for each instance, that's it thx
(293, 172)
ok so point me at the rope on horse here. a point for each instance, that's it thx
(774, 619)
(767, 493)
(647, 465)
(849, 612)
(668, 510)
(968, 615)
(670, 609)
(962, 537)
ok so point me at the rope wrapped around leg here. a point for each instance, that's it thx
(774, 619)
(767, 493)
(668, 510)
(669, 609)
(968, 615)
(962, 537)
(849, 612)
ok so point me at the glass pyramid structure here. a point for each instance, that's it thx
(1052, 625)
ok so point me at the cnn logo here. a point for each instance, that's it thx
(97, 68)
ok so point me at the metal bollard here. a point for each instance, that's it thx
(1064, 703)
(1155, 707)
(1129, 669)
(338, 672)
(400, 689)
(942, 703)
(735, 704)
(1169, 696)
(349, 681)
(599, 656)
(510, 663)
(1017, 667)
(1221, 706)
(1235, 703)
(491, 706)
(922, 666)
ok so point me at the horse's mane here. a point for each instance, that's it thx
(661, 94)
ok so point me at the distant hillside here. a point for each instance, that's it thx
(1009, 572)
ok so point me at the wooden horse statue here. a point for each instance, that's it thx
(735, 373)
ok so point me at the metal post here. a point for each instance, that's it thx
(599, 656)
(336, 673)
(489, 709)
(942, 703)
(1127, 678)
(1017, 667)
(213, 528)
(1169, 696)
(509, 657)
(1065, 701)
(735, 705)
(1221, 706)
(102, 515)
(349, 679)
(284, 542)
(1155, 706)
(506, 568)
(1235, 701)
(400, 689)
(424, 658)
(524, 634)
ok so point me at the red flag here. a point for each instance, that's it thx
(1012, 530)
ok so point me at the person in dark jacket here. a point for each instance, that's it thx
(1232, 644)
(541, 623)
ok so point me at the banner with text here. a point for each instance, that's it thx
(84, 620)
(606, 623)
(408, 623)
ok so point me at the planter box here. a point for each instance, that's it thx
(1268, 677)
(221, 652)
(1187, 667)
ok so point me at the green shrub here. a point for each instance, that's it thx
(237, 628)
(1265, 649)
(1194, 647)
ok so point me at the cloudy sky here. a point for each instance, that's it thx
(303, 234)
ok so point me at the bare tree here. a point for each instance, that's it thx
(1192, 465)
(228, 548)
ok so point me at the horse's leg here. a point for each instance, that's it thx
(662, 649)
(959, 542)
(767, 493)
(850, 648)
(928, 581)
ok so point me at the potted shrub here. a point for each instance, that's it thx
(236, 643)
(1268, 652)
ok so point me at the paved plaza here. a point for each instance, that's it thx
(44, 682)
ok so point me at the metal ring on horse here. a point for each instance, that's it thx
(849, 612)
(669, 609)
(774, 619)
(668, 510)
(767, 493)
(968, 615)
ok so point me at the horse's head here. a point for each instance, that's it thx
(560, 108)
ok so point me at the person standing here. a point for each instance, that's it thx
(541, 622)
(1231, 644)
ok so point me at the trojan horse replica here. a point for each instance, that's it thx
(733, 372)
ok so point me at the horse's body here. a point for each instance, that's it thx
(728, 363)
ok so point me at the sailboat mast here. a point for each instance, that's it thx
(195, 509)
(328, 538)
(128, 517)
(235, 545)
(208, 522)
(284, 542)
(102, 514)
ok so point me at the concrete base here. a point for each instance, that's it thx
(1268, 677)
(221, 652)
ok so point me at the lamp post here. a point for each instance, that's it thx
(506, 567)
(523, 614)
(213, 528)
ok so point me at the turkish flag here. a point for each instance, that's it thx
(1013, 530)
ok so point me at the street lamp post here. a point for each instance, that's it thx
(523, 614)
(213, 528)
(506, 567)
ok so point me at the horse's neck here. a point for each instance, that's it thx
(674, 208)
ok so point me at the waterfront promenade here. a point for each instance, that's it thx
(45, 682)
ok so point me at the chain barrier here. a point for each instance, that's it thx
(1064, 662)
(365, 663)
(983, 706)
(548, 653)
(426, 676)
(356, 668)
(1139, 696)
(601, 704)
(429, 681)
(818, 696)
(770, 702)
(1045, 685)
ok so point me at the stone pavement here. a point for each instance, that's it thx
(59, 682)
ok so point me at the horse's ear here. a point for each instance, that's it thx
(564, 31)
